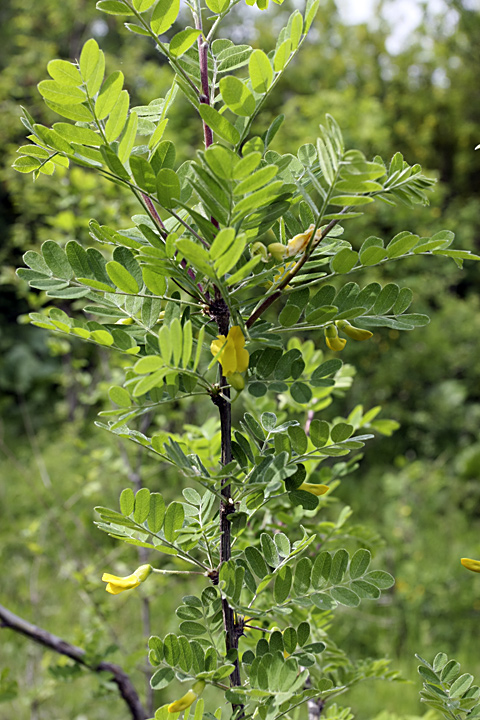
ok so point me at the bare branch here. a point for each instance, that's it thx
(43, 637)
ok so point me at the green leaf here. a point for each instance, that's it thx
(283, 583)
(260, 71)
(319, 433)
(282, 55)
(173, 520)
(257, 180)
(256, 561)
(57, 260)
(127, 501)
(108, 95)
(164, 15)
(161, 678)
(65, 73)
(303, 571)
(387, 298)
(341, 431)
(192, 628)
(339, 566)
(77, 134)
(217, 6)
(310, 12)
(154, 281)
(120, 397)
(113, 7)
(295, 28)
(127, 139)
(142, 505)
(142, 5)
(381, 579)
(61, 94)
(143, 174)
(298, 439)
(122, 278)
(345, 596)
(236, 96)
(148, 364)
(269, 550)
(118, 117)
(168, 188)
(219, 124)
(300, 392)
(196, 256)
(359, 563)
(182, 41)
(344, 261)
(401, 244)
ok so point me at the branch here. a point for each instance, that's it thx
(43, 637)
(288, 277)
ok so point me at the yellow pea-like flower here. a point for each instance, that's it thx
(188, 699)
(233, 357)
(333, 341)
(473, 565)
(353, 332)
(314, 488)
(116, 585)
(298, 243)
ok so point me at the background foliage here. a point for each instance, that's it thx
(417, 489)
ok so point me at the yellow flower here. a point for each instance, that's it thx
(333, 341)
(233, 357)
(314, 488)
(473, 565)
(353, 332)
(188, 699)
(116, 585)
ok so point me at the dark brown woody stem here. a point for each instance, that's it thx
(41, 636)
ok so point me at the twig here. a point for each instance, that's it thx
(43, 637)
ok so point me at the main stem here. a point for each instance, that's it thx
(220, 313)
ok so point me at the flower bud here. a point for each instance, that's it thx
(314, 488)
(333, 341)
(258, 248)
(277, 251)
(473, 565)
(125, 321)
(237, 381)
(188, 699)
(353, 332)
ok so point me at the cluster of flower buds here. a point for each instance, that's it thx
(336, 343)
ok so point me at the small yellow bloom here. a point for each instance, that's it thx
(116, 585)
(473, 565)
(314, 488)
(188, 699)
(353, 332)
(233, 357)
(333, 341)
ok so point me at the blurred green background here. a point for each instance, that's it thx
(418, 489)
